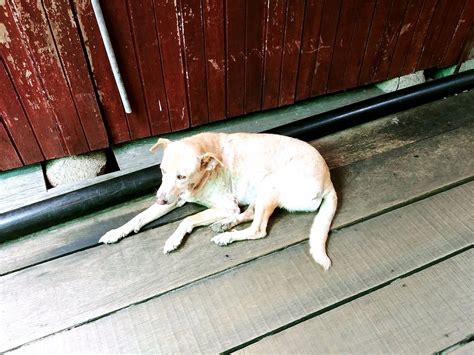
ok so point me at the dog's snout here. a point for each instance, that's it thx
(161, 201)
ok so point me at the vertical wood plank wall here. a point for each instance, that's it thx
(189, 62)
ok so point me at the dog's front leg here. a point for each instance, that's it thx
(136, 223)
(203, 218)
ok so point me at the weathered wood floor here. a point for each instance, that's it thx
(401, 282)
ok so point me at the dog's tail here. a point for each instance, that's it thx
(320, 228)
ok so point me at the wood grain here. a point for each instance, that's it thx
(377, 28)
(389, 39)
(329, 23)
(446, 34)
(291, 51)
(68, 43)
(195, 60)
(255, 37)
(109, 98)
(10, 158)
(16, 121)
(117, 19)
(419, 36)
(465, 23)
(22, 70)
(235, 56)
(224, 311)
(275, 20)
(43, 50)
(422, 313)
(60, 287)
(437, 25)
(147, 48)
(340, 149)
(405, 37)
(214, 37)
(170, 37)
(365, 12)
(342, 44)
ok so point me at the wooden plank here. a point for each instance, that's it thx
(16, 122)
(342, 44)
(35, 28)
(309, 47)
(118, 24)
(10, 158)
(147, 48)
(108, 94)
(20, 66)
(168, 24)
(405, 37)
(442, 161)
(109, 97)
(421, 313)
(377, 28)
(347, 147)
(446, 34)
(255, 36)
(273, 291)
(235, 56)
(19, 186)
(275, 21)
(327, 35)
(340, 149)
(291, 51)
(214, 38)
(68, 43)
(466, 21)
(195, 59)
(420, 33)
(365, 12)
(436, 26)
(389, 39)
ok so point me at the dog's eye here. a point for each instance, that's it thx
(181, 177)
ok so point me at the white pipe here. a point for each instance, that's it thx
(111, 55)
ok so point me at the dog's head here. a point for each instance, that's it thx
(184, 169)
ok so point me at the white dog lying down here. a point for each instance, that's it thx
(225, 171)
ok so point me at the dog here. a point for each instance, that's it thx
(225, 171)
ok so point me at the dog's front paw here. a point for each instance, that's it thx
(112, 236)
(222, 239)
(172, 243)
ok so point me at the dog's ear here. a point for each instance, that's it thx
(209, 161)
(162, 142)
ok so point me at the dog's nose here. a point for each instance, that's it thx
(161, 201)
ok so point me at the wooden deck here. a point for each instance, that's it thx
(401, 282)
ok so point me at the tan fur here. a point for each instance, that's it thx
(226, 171)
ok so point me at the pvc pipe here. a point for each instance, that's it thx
(44, 214)
(111, 55)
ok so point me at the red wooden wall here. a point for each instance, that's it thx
(190, 62)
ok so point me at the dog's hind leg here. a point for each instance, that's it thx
(264, 207)
(203, 218)
(230, 222)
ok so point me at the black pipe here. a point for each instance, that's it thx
(379, 106)
(59, 209)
